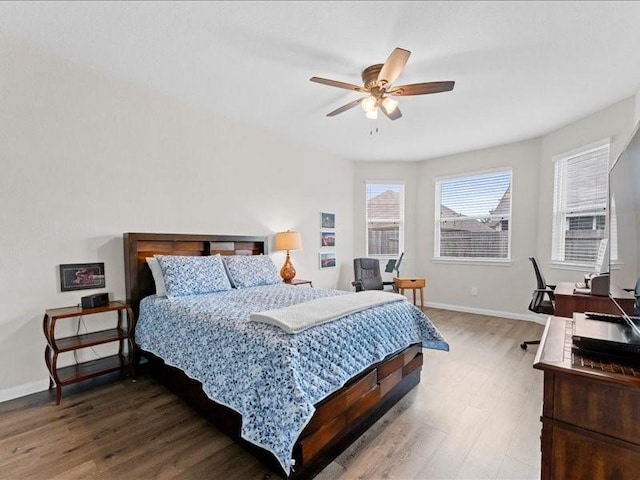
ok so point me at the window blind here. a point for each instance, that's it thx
(385, 218)
(580, 205)
(473, 216)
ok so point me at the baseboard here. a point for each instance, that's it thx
(541, 319)
(23, 390)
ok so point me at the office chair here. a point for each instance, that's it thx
(541, 300)
(636, 293)
(367, 275)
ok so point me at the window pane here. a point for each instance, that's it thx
(582, 239)
(384, 239)
(585, 222)
(479, 241)
(385, 205)
(475, 214)
(587, 181)
(487, 194)
(581, 246)
(580, 202)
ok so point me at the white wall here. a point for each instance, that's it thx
(85, 158)
(636, 117)
(502, 289)
(615, 122)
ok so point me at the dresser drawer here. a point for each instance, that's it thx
(599, 406)
(581, 455)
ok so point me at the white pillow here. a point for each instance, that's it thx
(156, 271)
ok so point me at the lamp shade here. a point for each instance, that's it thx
(288, 241)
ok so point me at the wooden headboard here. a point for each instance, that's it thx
(138, 246)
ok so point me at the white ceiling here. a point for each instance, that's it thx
(521, 69)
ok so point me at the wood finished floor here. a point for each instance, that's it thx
(475, 415)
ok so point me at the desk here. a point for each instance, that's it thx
(402, 284)
(590, 412)
(568, 302)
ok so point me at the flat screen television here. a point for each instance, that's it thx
(624, 220)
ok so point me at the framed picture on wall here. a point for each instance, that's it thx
(327, 238)
(327, 259)
(80, 276)
(327, 220)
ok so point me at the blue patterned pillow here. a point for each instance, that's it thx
(252, 270)
(184, 275)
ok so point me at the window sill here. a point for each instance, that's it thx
(576, 267)
(471, 261)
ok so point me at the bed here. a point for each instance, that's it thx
(317, 399)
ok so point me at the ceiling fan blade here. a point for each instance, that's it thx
(335, 83)
(422, 88)
(346, 107)
(393, 66)
(393, 114)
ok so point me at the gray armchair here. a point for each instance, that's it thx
(367, 275)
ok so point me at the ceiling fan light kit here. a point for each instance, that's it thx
(373, 114)
(377, 80)
(369, 104)
(389, 104)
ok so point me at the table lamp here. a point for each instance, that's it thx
(287, 241)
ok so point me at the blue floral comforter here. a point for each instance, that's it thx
(273, 379)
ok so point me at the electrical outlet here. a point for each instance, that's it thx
(474, 290)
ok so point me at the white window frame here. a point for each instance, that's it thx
(437, 258)
(559, 213)
(394, 183)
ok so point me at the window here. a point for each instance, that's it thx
(473, 217)
(385, 219)
(580, 204)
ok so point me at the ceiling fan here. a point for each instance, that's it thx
(377, 80)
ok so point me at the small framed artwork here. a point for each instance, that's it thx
(327, 259)
(328, 239)
(328, 220)
(79, 276)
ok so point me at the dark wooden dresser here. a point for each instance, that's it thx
(590, 414)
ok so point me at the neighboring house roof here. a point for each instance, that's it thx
(464, 224)
(384, 206)
(448, 212)
(504, 205)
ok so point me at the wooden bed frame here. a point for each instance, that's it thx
(338, 420)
